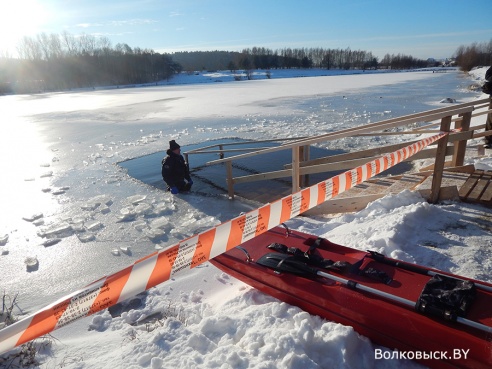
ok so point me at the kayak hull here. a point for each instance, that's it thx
(432, 341)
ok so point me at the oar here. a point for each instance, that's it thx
(284, 263)
(416, 268)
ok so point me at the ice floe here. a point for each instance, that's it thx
(33, 217)
(4, 239)
(50, 242)
(31, 262)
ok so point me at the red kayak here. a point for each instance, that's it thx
(436, 318)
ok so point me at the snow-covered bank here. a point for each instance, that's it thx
(71, 145)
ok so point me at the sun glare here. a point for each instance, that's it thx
(19, 18)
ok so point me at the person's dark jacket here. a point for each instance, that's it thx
(488, 74)
(175, 170)
(487, 86)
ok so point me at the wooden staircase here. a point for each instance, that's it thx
(478, 188)
(464, 183)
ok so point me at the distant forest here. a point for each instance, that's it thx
(62, 62)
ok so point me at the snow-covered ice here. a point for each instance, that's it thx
(67, 203)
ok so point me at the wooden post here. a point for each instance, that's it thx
(305, 155)
(440, 160)
(301, 159)
(230, 181)
(295, 169)
(460, 146)
(221, 155)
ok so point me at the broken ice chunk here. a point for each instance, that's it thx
(31, 262)
(103, 209)
(135, 199)
(38, 222)
(159, 223)
(163, 208)
(112, 179)
(95, 226)
(125, 250)
(140, 225)
(97, 201)
(89, 206)
(86, 237)
(51, 242)
(143, 208)
(187, 223)
(78, 226)
(126, 214)
(61, 229)
(154, 233)
(4, 239)
(33, 217)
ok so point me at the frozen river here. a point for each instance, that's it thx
(66, 201)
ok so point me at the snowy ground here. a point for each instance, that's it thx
(67, 202)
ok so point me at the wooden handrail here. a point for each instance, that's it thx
(204, 150)
(390, 123)
(320, 167)
(377, 151)
(460, 114)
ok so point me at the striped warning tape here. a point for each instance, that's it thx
(160, 266)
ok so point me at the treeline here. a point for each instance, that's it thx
(287, 58)
(474, 55)
(59, 62)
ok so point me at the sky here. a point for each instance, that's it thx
(421, 28)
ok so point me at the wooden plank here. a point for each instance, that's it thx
(470, 168)
(449, 178)
(229, 180)
(295, 169)
(305, 155)
(470, 184)
(486, 182)
(384, 181)
(477, 191)
(407, 182)
(263, 176)
(367, 188)
(344, 205)
(454, 179)
(440, 160)
(460, 146)
(487, 193)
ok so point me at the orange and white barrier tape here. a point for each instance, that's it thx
(160, 266)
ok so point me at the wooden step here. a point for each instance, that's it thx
(407, 182)
(470, 183)
(368, 188)
(478, 187)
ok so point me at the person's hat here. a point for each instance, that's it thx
(173, 145)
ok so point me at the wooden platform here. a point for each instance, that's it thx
(459, 184)
(478, 188)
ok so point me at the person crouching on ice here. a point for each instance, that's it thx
(175, 170)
